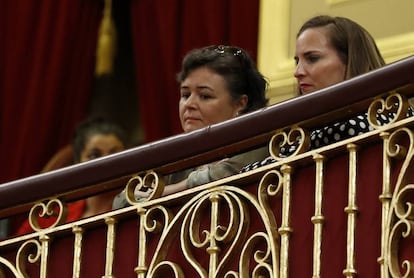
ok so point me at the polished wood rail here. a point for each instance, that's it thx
(342, 210)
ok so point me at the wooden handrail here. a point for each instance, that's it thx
(181, 151)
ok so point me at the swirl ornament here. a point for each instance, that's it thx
(270, 185)
(263, 258)
(167, 269)
(403, 228)
(151, 183)
(401, 212)
(30, 251)
(53, 208)
(10, 267)
(295, 142)
(393, 108)
(157, 218)
(220, 240)
(217, 222)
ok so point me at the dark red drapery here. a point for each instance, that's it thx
(47, 56)
(163, 31)
(47, 61)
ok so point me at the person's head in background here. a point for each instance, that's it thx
(98, 137)
(330, 50)
(218, 83)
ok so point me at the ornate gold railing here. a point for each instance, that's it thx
(342, 210)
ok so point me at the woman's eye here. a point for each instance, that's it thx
(205, 96)
(313, 58)
(93, 155)
(185, 95)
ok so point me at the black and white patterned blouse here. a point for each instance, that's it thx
(331, 134)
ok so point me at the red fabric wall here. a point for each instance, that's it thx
(47, 58)
(47, 63)
(164, 31)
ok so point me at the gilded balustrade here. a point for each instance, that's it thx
(238, 228)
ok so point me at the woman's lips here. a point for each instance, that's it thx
(305, 87)
(191, 119)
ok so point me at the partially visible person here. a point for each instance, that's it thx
(330, 50)
(94, 138)
(217, 83)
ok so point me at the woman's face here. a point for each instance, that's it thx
(99, 145)
(318, 64)
(205, 100)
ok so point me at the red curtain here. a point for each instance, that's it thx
(164, 31)
(47, 51)
(47, 56)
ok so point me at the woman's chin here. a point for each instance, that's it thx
(192, 127)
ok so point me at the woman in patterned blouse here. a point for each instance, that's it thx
(330, 50)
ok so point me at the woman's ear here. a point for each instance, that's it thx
(242, 103)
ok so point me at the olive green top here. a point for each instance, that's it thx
(213, 172)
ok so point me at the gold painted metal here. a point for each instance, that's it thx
(77, 251)
(285, 230)
(214, 250)
(110, 247)
(151, 183)
(394, 104)
(142, 268)
(297, 140)
(385, 199)
(270, 186)
(31, 252)
(318, 219)
(153, 220)
(221, 241)
(45, 241)
(53, 208)
(11, 268)
(352, 211)
(401, 214)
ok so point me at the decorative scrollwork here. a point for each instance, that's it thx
(400, 142)
(152, 183)
(157, 218)
(10, 267)
(270, 185)
(393, 108)
(167, 269)
(53, 208)
(295, 142)
(31, 252)
(217, 222)
(263, 258)
(220, 240)
(403, 228)
(401, 213)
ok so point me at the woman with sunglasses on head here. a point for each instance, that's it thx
(330, 50)
(217, 83)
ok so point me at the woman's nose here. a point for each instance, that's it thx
(191, 101)
(299, 71)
